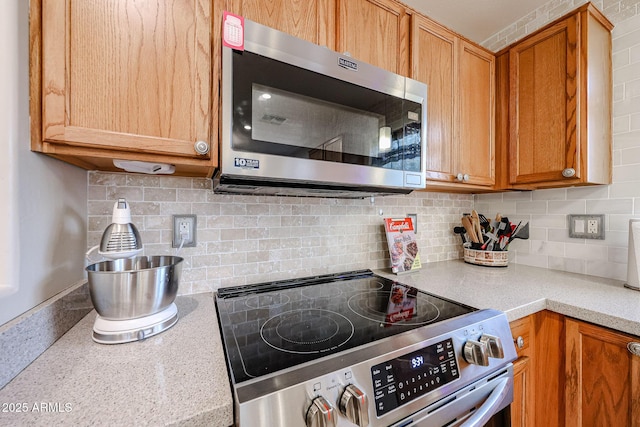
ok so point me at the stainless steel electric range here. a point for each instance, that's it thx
(360, 349)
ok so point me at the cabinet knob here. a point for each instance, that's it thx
(462, 177)
(634, 348)
(201, 147)
(519, 342)
(569, 172)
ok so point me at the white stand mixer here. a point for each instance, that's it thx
(133, 295)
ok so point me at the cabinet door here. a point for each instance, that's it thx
(602, 377)
(127, 76)
(522, 410)
(311, 20)
(521, 391)
(476, 110)
(434, 53)
(543, 105)
(375, 31)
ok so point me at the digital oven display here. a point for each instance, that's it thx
(406, 378)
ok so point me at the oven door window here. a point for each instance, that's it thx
(283, 110)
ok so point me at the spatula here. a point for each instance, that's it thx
(521, 232)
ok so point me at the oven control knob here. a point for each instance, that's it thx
(476, 353)
(494, 346)
(354, 405)
(321, 413)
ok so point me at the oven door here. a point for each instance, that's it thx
(485, 402)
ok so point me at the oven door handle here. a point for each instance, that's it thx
(488, 408)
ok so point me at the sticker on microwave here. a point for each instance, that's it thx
(233, 31)
(348, 64)
(241, 162)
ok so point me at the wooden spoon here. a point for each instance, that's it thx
(466, 223)
(475, 221)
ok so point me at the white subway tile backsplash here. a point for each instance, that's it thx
(589, 192)
(619, 222)
(586, 251)
(549, 221)
(249, 239)
(532, 260)
(610, 206)
(604, 268)
(570, 265)
(621, 124)
(621, 58)
(618, 255)
(550, 194)
(567, 207)
(518, 196)
(626, 173)
(531, 208)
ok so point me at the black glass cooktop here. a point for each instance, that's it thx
(272, 326)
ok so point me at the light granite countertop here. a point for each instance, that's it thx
(520, 290)
(179, 377)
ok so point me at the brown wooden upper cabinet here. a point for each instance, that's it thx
(122, 80)
(311, 20)
(559, 104)
(461, 98)
(375, 31)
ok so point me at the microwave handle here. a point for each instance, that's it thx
(488, 408)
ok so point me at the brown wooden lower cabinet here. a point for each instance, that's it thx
(602, 377)
(538, 398)
(573, 373)
(521, 384)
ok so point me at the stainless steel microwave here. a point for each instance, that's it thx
(301, 119)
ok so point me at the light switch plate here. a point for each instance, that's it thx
(586, 227)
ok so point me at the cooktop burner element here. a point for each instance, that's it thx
(307, 331)
(273, 326)
(399, 305)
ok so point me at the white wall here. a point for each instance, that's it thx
(547, 210)
(43, 201)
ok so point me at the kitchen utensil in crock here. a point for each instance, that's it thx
(520, 232)
(466, 223)
(461, 231)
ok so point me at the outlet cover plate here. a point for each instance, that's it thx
(192, 222)
(579, 227)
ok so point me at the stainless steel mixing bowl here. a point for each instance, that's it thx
(130, 288)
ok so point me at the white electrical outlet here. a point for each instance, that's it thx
(184, 231)
(586, 226)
